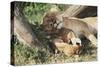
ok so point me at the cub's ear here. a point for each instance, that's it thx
(71, 35)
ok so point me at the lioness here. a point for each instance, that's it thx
(51, 23)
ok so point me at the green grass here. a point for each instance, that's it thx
(25, 56)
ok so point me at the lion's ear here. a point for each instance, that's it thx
(71, 35)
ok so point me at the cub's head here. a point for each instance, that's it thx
(48, 22)
(52, 21)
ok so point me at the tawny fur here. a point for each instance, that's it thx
(80, 28)
(65, 34)
(67, 49)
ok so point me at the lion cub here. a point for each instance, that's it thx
(68, 49)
